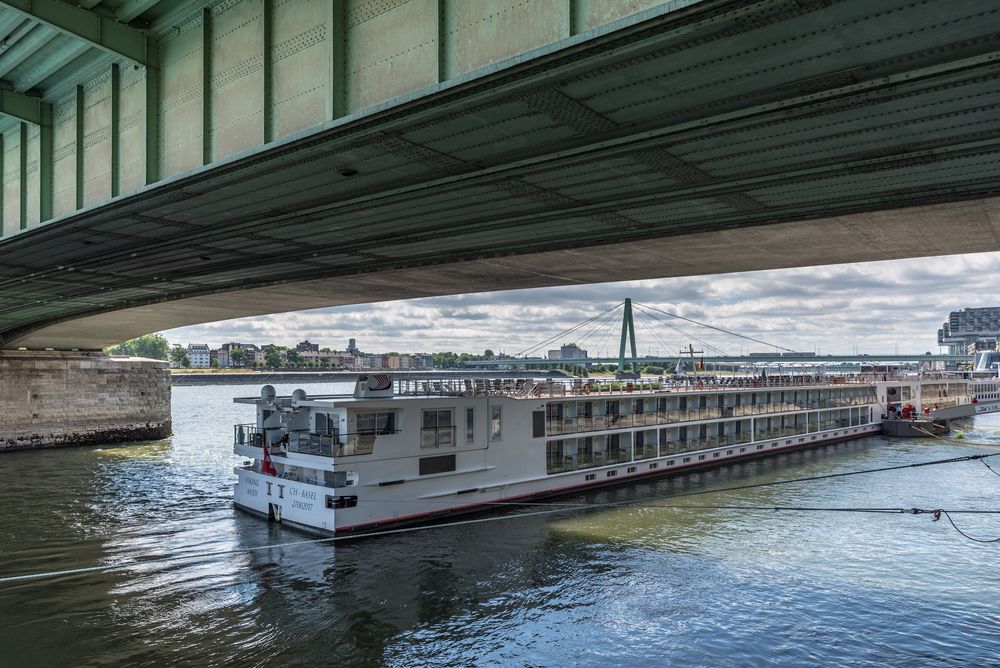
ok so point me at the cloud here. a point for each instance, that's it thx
(870, 307)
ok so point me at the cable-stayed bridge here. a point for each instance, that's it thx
(679, 334)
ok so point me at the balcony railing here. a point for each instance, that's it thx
(573, 425)
(247, 434)
(307, 443)
(579, 387)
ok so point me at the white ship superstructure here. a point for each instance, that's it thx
(410, 451)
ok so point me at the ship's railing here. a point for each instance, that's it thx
(343, 445)
(308, 443)
(463, 387)
(555, 426)
(247, 434)
(644, 450)
(575, 387)
(565, 458)
(557, 462)
(934, 403)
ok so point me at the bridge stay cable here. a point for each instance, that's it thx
(716, 328)
(644, 321)
(683, 332)
(605, 339)
(566, 332)
(605, 327)
(609, 315)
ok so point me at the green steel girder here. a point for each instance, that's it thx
(104, 33)
(20, 106)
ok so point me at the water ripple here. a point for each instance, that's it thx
(603, 587)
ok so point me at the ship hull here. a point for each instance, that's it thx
(292, 498)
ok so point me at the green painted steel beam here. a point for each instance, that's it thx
(151, 112)
(337, 99)
(99, 31)
(78, 140)
(22, 180)
(131, 9)
(116, 151)
(206, 86)
(45, 164)
(20, 106)
(444, 41)
(3, 211)
(575, 17)
(268, 18)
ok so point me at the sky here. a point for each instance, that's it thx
(873, 307)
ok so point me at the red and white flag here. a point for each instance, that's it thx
(267, 467)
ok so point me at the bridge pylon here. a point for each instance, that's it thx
(628, 331)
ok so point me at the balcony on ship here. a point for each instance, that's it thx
(307, 443)
(572, 416)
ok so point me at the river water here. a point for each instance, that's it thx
(637, 586)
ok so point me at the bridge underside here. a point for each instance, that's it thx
(903, 233)
(723, 136)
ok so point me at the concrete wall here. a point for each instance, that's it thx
(50, 399)
(238, 74)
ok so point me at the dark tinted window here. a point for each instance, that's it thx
(538, 423)
(442, 464)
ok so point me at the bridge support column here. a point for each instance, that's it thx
(53, 399)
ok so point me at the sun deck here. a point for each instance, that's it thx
(527, 388)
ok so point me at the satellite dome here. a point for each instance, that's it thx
(267, 392)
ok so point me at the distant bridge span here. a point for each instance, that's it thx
(426, 148)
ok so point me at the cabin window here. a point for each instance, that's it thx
(554, 462)
(470, 425)
(438, 428)
(496, 419)
(441, 464)
(327, 425)
(376, 423)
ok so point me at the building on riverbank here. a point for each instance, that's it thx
(971, 330)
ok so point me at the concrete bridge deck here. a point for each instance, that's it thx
(253, 157)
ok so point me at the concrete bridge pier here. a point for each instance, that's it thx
(54, 399)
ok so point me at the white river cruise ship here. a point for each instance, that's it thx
(406, 451)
